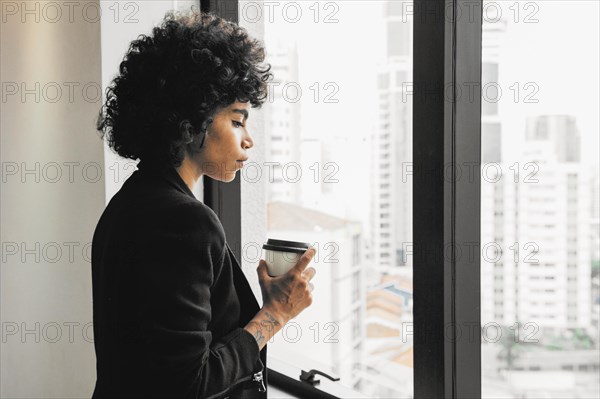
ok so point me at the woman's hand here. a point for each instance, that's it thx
(287, 295)
(284, 297)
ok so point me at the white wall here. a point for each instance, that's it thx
(45, 291)
(49, 215)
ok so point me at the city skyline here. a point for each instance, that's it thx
(505, 140)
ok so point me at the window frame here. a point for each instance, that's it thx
(447, 53)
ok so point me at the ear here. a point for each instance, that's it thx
(187, 131)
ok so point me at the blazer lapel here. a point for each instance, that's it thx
(248, 304)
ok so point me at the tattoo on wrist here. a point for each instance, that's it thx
(259, 336)
(272, 319)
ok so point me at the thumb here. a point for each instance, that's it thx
(261, 270)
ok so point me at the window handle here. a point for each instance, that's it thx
(309, 377)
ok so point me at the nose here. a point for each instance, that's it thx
(248, 142)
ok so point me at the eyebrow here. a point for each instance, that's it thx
(241, 111)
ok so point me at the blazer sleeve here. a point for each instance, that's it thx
(184, 251)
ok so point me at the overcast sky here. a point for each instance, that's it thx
(559, 53)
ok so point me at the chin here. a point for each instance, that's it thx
(228, 178)
(231, 178)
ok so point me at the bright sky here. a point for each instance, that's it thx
(559, 53)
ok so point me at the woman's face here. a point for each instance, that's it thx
(226, 142)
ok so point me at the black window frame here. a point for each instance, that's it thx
(447, 37)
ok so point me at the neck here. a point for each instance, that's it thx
(189, 172)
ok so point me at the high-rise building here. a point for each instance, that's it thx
(391, 186)
(536, 234)
(389, 297)
(595, 213)
(595, 247)
(561, 130)
(491, 127)
(329, 334)
(389, 343)
(283, 125)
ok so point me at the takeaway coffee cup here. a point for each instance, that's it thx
(282, 255)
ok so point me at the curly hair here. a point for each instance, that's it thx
(170, 84)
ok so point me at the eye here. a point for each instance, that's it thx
(238, 124)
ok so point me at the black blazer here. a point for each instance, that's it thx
(170, 298)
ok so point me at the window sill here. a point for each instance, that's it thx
(285, 377)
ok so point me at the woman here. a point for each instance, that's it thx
(174, 315)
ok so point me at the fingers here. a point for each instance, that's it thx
(309, 273)
(304, 260)
(261, 270)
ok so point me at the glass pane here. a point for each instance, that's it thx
(540, 242)
(333, 154)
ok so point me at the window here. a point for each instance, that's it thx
(431, 350)
(553, 212)
(331, 143)
(490, 91)
(355, 287)
(356, 325)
